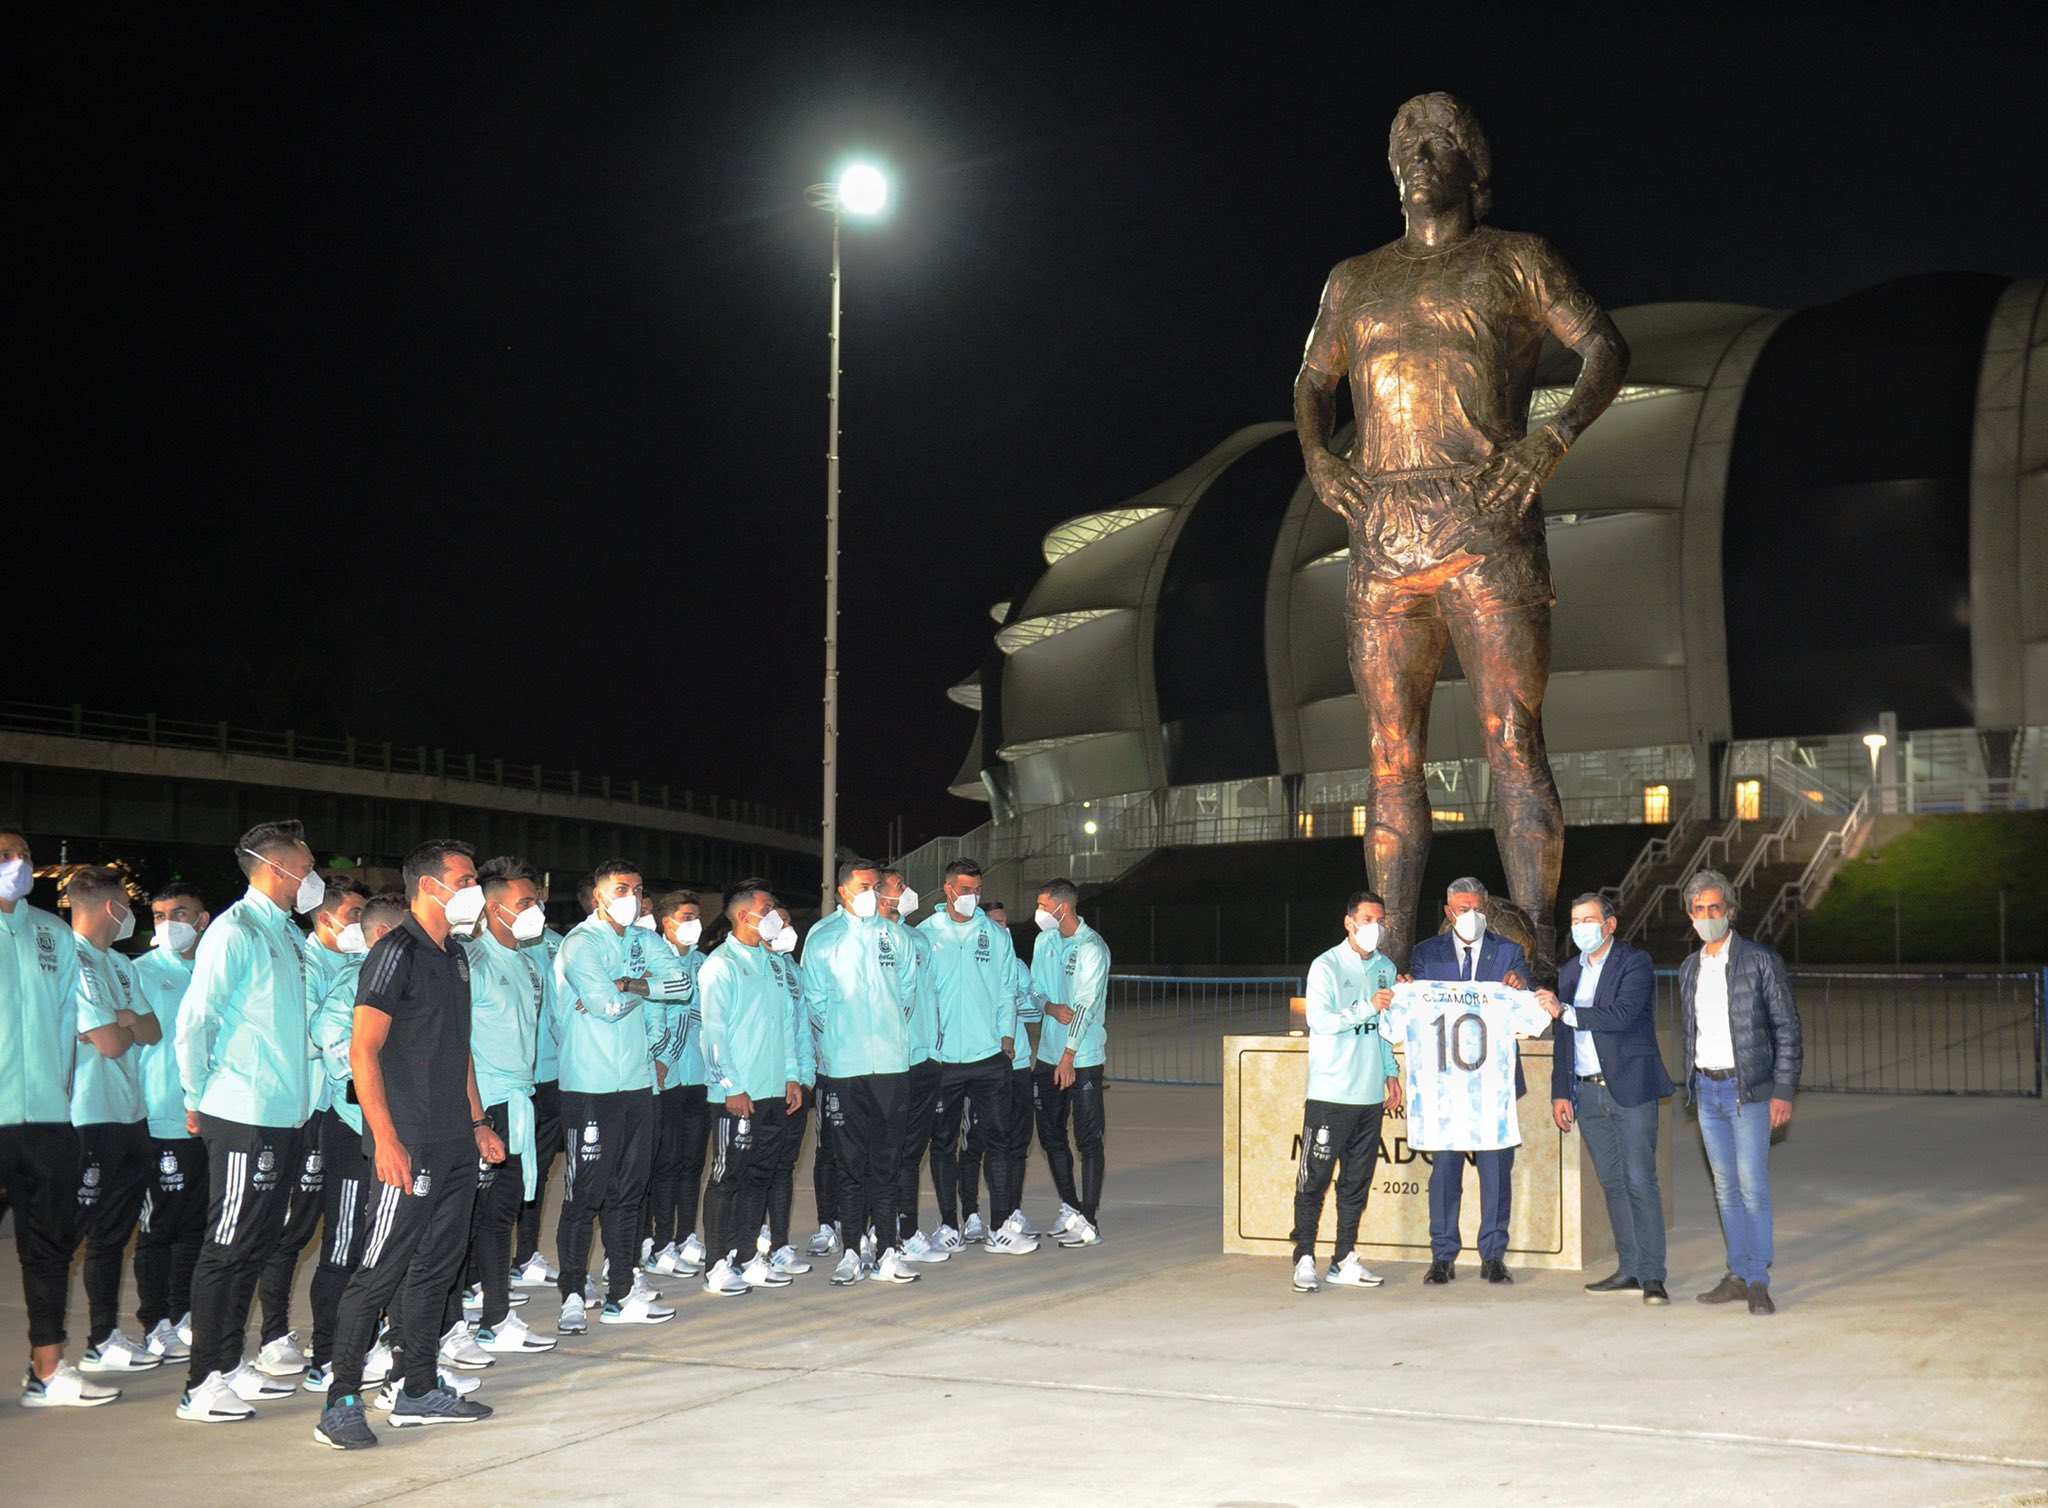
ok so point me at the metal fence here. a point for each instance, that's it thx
(1952, 1032)
(1169, 1029)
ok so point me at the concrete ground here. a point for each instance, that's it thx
(1905, 1365)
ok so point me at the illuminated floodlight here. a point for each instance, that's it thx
(862, 190)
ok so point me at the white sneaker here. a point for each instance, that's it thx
(826, 1243)
(165, 1341)
(764, 1240)
(1024, 1225)
(691, 1254)
(571, 1321)
(534, 1272)
(185, 1329)
(948, 1240)
(723, 1281)
(667, 1261)
(787, 1261)
(892, 1268)
(513, 1337)
(460, 1350)
(473, 1299)
(1352, 1273)
(761, 1273)
(117, 1353)
(214, 1401)
(317, 1380)
(281, 1357)
(454, 1382)
(1081, 1233)
(1010, 1241)
(1305, 1275)
(974, 1232)
(849, 1271)
(377, 1364)
(66, 1388)
(592, 1294)
(1067, 1216)
(867, 1247)
(251, 1386)
(918, 1249)
(646, 1250)
(643, 1286)
(636, 1310)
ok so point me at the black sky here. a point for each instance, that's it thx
(456, 374)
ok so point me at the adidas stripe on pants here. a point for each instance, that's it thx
(250, 1171)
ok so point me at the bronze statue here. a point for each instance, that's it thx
(1439, 333)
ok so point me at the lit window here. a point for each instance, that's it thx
(1656, 804)
(1358, 821)
(1447, 816)
(1749, 800)
(1308, 824)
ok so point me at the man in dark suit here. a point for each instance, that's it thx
(1607, 1075)
(1469, 951)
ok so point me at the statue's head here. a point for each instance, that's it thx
(1438, 154)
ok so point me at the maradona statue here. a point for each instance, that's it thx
(1438, 334)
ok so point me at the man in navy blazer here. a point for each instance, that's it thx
(1469, 951)
(1606, 1076)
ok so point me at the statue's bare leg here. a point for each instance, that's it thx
(1394, 665)
(1506, 658)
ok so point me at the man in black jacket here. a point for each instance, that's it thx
(1741, 1050)
(1606, 1076)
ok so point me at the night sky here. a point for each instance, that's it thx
(456, 375)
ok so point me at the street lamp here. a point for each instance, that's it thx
(1874, 742)
(862, 191)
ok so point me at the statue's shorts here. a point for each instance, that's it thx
(1423, 547)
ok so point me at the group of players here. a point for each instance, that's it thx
(400, 1079)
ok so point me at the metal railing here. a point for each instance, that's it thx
(1656, 853)
(1166, 1029)
(1723, 839)
(1819, 873)
(148, 729)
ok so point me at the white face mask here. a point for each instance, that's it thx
(350, 939)
(1367, 936)
(966, 904)
(863, 905)
(1588, 936)
(176, 937)
(906, 902)
(529, 924)
(1710, 928)
(312, 889)
(464, 909)
(126, 929)
(1469, 925)
(645, 923)
(1045, 919)
(785, 941)
(687, 933)
(770, 926)
(17, 878)
(623, 909)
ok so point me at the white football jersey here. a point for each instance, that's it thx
(1458, 1045)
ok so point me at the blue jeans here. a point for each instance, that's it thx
(1623, 1142)
(1738, 1142)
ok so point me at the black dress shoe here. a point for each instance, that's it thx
(1614, 1282)
(1727, 1291)
(1495, 1271)
(1653, 1293)
(1760, 1299)
(1441, 1271)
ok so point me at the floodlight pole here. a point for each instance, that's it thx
(828, 881)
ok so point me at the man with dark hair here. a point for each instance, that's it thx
(682, 1114)
(350, 1185)
(172, 1226)
(1013, 1149)
(425, 1132)
(857, 992)
(38, 1144)
(605, 975)
(921, 1102)
(750, 1056)
(1607, 1075)
(973, 980)
(108, 1108)
(782, 1256)
(534, 1270)
(337, 932)
(242, 1057)
(510, 995)
(1352, 1078)
(1070, 967)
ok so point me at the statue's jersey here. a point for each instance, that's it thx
(1441, 350)
(1458, 1046)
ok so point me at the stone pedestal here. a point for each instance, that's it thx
(1559, 1215)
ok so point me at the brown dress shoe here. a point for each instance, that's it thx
(1760, 1299)
(1727, 1291)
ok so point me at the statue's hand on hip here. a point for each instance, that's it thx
(1338, 487)
(1512, 479)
